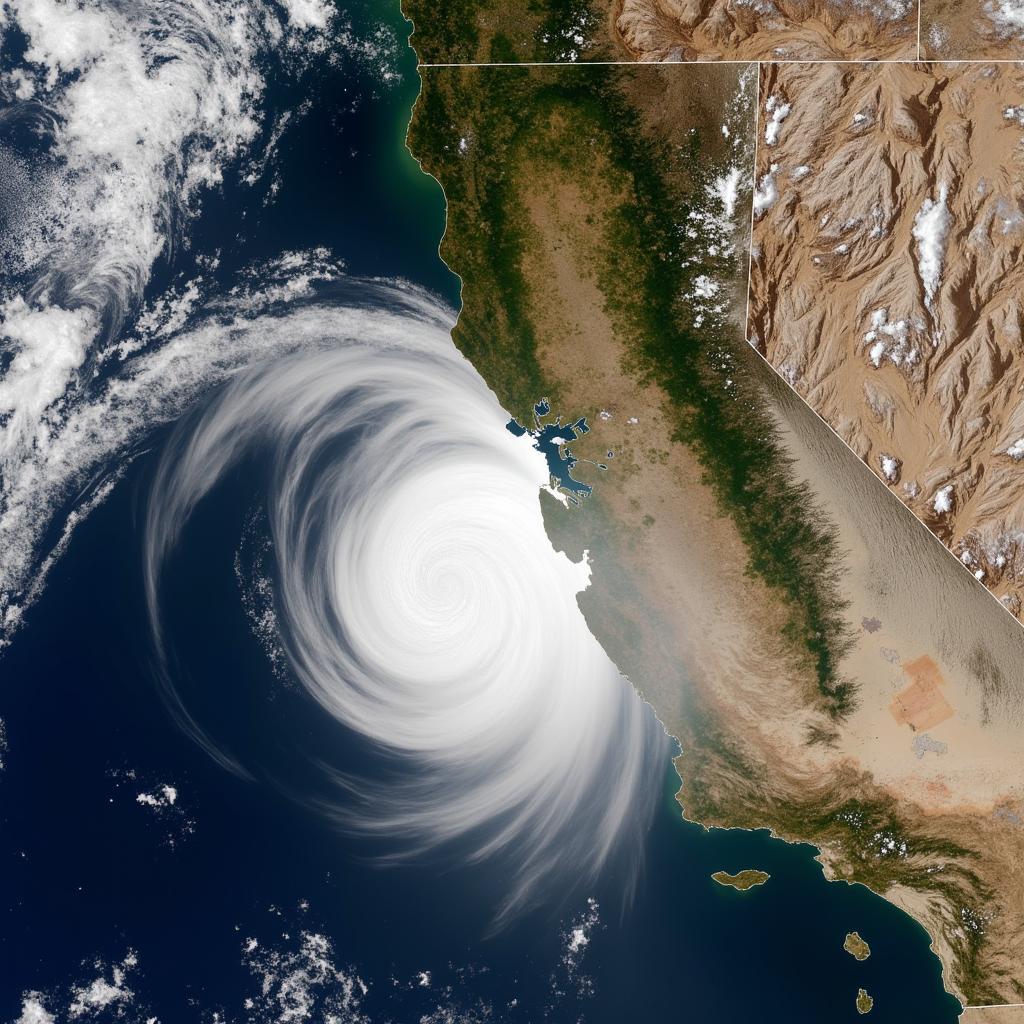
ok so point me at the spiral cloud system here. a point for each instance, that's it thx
(422, 605)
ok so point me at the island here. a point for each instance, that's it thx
(856, 946)
(743, 880)
(864, 1001)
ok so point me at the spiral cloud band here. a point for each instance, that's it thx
(422, 605)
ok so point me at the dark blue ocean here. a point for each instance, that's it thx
(90, 875)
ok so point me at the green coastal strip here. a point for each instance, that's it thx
(483, 132)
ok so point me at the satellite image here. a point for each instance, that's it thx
(511, 511)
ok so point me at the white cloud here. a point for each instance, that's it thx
(33, 1011)
(704, 287)
(165, 796)
(931, 226)
(49, 344)
(726, 190)
(890, 467)
(146, 105)
(308, 13)
(303, 983)
(943, 501)
(576, 938)
(890, 340)
(89, 999)
(1008, 15)
(711, 226)
(778, 110)
(766, 192)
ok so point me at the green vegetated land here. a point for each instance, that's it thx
(483, 132)
(508, 31)
(879, 847)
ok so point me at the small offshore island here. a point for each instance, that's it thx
(743, 880)
(856, 946)
(864, 1001)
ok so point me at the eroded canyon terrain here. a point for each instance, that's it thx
(886, 283)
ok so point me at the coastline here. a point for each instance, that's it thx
(662, 691)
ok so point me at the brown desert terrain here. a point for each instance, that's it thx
(886, 283)
(972, 29)
(956, 784)
(694, 30)
(921, 705)
(1013, 1014)
(708, 654)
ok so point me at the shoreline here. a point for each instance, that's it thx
(599, 627)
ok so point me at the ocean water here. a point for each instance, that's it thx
(128, 855)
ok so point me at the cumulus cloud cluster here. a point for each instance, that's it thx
(133, 113)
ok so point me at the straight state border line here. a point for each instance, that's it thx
(753, 193)
(918, 59)
(699, 63)
(994, 1006)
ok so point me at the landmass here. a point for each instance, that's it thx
(599, 217)
(971, 30)
(742, 880)
(890, 301)
(856, 946)
(509, 31)
(993, 1014)
(663, 30)
(801, 30)
(864, 1001)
